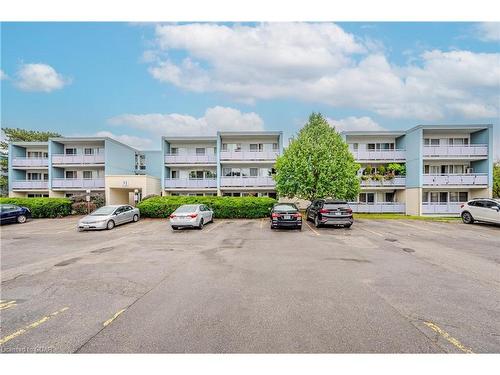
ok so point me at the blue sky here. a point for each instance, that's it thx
(139, 81)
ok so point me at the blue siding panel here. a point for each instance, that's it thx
(119, 159)
(414, 162)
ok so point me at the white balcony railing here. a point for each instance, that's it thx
(456, 151)
(97, 183)
(386, 155)
(249, 155)
(190, 159)
(441, 208)
(396, 181)
(171, 183)
(29, 162)
(30, 184)
(381, 207)
(456, 179)
(78, 159)
(247, 181)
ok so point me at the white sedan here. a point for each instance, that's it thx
(191, 215)
(481, 209)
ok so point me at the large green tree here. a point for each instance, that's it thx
(496, 179)
(17, 135)
(317, 164)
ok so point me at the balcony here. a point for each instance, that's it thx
(249, 155)
(469, 179)
(441, 208)
(30, 184)
(465, 151)
(78, 183)
(382, 155)
(247, 181)
(190, 159)
(382, 207)
(194, 183)
(396, 181)
(29, 162)
(78, 159)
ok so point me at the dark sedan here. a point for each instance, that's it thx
(330, 211)
(10, 213)
(286, 215)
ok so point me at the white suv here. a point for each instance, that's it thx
(481, 209)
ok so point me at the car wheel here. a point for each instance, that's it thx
(21, 219)
(110, 225)
(467, 218)
(136, 218)
(316, 222)
(347, 225)
(299, 227)
(200, 226)
(175, 228)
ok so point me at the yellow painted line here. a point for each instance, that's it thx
(448, 338)
(31, 326)
(214, 226)
(108, 322)
(6, 305)
(313, 230)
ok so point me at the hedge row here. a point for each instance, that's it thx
(42, 207)
(223, 207)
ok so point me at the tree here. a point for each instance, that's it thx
(496, 179)
(317, 164)
(17, 135)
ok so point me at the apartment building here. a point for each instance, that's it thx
(444, 166)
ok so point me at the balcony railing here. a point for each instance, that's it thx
(456, 179)
(97, 183)
(386, 155)
(171, 183)
(249, 155)
(247, 181)
(78, 159)
(190, 159)
(30, 184)
(441, 208)
(382, 207)
(29, 162)
(456, 151)
(396, 181)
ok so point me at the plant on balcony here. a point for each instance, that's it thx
(397, 169)
(317, 163)
(381, 170)
(368, 170)
(389, 176)
(377, 177)
(365, 178)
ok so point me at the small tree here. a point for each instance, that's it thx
(317, 164)
(496, 180)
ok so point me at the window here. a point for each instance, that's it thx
(37, 195)
(70, 151)
(88, 151)
(224, 147)
(434, 197)
(34, 176)
(254, 172)
(425, 197)
(209, 174)
(87, 175)
(275, 147)
(174, 151)
(196, 175)
(226, 172)
(443, 197)
(70, 174)
(174, 174)
(236, 194)
(389, 197)
(200, 151)
(434, 142)
(256, 147)
(36, 154)
(368, 198)
(237, 147)
(45, 176)
(370, 146)
(355, 146)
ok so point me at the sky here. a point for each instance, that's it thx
(138, 81)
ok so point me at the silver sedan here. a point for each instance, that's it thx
(108, 217)
(191, 215)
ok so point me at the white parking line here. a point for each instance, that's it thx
(313, 230)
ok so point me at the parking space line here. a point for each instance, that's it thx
(4, 305)
(373, 232)
(261, 223)
(422, 228)
(214, 226)
(108, 322)
(448, 337)
(313, 230)
(31, 326)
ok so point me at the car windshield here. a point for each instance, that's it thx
(187, 208)
(103, 211)
(285, 208)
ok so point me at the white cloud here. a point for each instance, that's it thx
(174, 124)
(136, 142)
(322, 63)
(352, 123)
(39, 77)
(3, 75)
(489, 31)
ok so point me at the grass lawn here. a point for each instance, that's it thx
(408, 217)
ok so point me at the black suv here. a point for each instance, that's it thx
(330, 211)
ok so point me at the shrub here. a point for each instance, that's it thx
(398, 169)
(42, 207)
(377, 177)
(368, 170)
(364, 178)
(81, 208)
(381, 170)
(223, 207)
(149, 196)
(96, 198)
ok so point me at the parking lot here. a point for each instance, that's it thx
(389, 286)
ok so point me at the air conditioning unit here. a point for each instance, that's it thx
(469, 170)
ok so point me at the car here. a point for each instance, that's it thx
(107, 217)
(286, 215)
(330, 211)
(481, 209)
(10, 213)
(191, 215)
